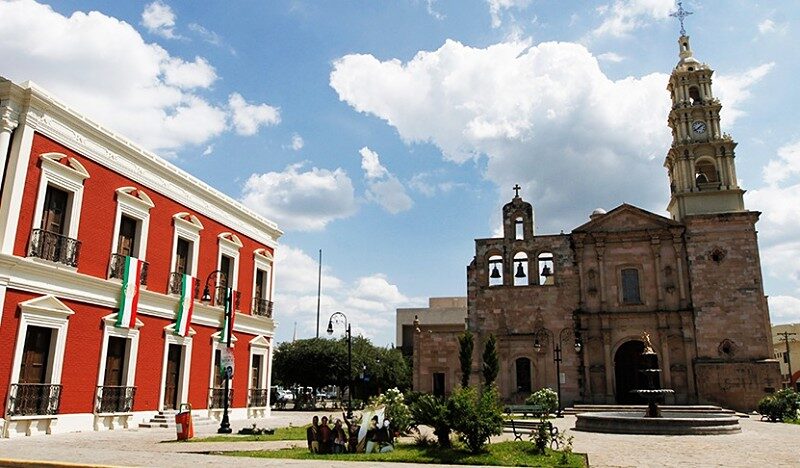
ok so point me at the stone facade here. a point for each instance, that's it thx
(693, 283)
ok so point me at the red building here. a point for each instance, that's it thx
(77, 200)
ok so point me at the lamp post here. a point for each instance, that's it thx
(224, 425)
(349, 360)
(544, 334)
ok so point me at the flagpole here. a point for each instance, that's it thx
(319, 288)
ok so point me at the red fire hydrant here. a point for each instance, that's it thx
(183, 422)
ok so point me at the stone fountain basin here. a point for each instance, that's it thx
(673, 423)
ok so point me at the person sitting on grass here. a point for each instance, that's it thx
(311, 435)
(339, 438)
(324, 436)
(385, 437)
(372, 435)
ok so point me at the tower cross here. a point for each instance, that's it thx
(681, 14)
(517, 188)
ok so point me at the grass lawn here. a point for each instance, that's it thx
(502, 453)
(281, 433)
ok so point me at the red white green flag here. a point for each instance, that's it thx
(185, 305)
(227, 321)
(129, 299)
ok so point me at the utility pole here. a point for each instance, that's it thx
(319, 288)
(786, 336)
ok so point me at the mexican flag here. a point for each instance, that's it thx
(129, 299)
(185, 305)
(227, 321)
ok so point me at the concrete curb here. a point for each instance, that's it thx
(11, 463)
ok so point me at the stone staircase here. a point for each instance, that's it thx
(166, 419)
(707, 409)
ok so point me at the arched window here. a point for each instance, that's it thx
(523, 366)
(694, 95)
(518, 227)
(705, 172)
(495, 270)
(630, 286)
(546, 268)
(521, 269)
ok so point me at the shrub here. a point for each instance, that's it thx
(476, 417)
(783, 404)
(546, 398)
(432, 411)
(541, 438)
(466, 343)
(396, 409)
(491, 363)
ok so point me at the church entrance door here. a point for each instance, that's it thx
(627, 364)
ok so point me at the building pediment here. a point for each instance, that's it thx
(626, 218)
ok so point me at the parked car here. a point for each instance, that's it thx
(285, 395)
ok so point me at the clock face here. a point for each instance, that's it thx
(699, 127)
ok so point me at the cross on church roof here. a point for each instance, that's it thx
(517, 188)
(681, 14)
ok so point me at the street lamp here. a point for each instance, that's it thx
(225, 424)
(544, 334)
(349, 360)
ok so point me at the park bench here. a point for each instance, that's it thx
(534, 410)
(529, 427)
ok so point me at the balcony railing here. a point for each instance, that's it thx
(216, 395)
(54, 247)
(34, 399)
(114, 399)
(176, 282)
(219, 297)
(258, 397)
(262, 307)
(116, 268)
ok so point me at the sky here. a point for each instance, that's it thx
(390, 133)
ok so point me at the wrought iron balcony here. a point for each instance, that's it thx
(219, 297)
(114, 399)
(34, 399)
(116, 268)
(54, 247)
(216, 395)
(258, 397)
(262, 307)
(176, 282)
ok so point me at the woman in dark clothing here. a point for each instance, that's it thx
(339, 438)
(324, 436)
(311, 435)
(352, 432)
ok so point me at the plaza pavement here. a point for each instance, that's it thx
(760, 444)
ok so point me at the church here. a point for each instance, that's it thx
(570, 311)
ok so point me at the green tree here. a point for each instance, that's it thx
(466, 343)
(491, 364)
(429, 410)
(476, 417)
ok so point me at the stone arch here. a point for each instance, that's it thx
(627, 364)
(495, 263)
(521, 265)
(705, 171)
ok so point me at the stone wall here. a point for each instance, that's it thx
(736, 385)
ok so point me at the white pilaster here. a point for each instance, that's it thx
(17, 169)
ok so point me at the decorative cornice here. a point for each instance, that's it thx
(49, 117)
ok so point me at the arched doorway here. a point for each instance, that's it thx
(627, 364)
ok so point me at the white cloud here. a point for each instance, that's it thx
(784, 309)
(247, 118)
(159, 19)
(187, 75)
(770, 27)
(610, 57)
(425, 184)
(369, 301)
(383, 187)
(209, 36)
(209, 149)
(787, 164)
(297, 142)
(103, 68)
(733, 89)
(539, 115)
(624, 16)
(497, 7)
(432, 11)
(303, 201)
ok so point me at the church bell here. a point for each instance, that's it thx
(520, 272)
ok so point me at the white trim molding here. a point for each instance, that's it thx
(110, 421)
(261, 346)
(68, 177)
(216, 413)
(229, 245)
(188, 227)
(135, 204)
(262, 260)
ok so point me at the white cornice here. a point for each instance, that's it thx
(50, 117)
(46, 279)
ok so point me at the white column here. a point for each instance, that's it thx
(17, 169)
(8, 123)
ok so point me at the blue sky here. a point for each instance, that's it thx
(389, 133)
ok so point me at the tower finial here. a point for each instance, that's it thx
(681, 14)
(517, 188)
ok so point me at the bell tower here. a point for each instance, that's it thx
(700, 161)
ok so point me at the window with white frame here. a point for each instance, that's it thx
(57, 211)
(131, 225)
(262, 283)
(185, 249)
(216, 381)
(258, 386)
(228, 265)
(116, 377)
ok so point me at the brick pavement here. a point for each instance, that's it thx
(760, 444)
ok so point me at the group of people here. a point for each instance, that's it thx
(322, 438)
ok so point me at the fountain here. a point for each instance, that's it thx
(652, 421)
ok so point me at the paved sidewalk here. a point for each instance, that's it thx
(760, 444)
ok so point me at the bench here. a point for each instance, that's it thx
(534, 410)
(520, 428)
